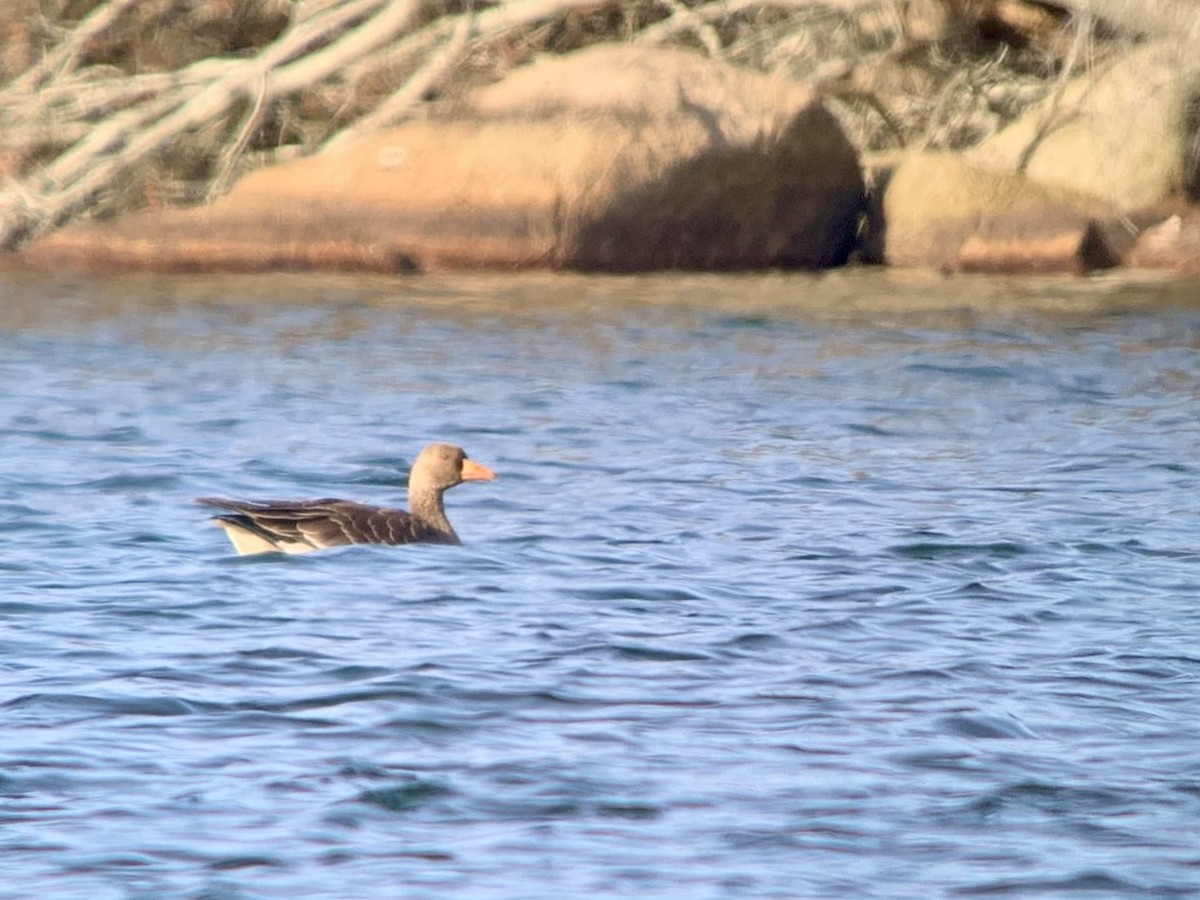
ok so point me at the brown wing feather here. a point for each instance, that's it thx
(328, 522)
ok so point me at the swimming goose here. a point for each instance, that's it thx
(300, 526)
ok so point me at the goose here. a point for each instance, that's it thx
(301, 526)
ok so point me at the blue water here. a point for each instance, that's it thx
(783, 590)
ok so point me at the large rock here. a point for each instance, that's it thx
(1172, 244)
(616, 158)
(1067, 187)
(940, 211)
(1124, 133)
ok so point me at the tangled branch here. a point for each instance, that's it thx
(103, 125)
(87, 126)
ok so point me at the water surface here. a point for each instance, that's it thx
(788, 587)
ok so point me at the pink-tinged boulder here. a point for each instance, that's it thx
(1123, 131)
(613, 158)
(1173, 244)
(1053, 240)
(1063, 189)
(940, 211)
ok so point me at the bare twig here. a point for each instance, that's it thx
(81, 98)
(381, 28)
(1050, 120)
(65, 185)
(697, 25)
(716, 10)
(411, 92)
(231, 153)
(59, 61)
(491, 24)
(115, 122)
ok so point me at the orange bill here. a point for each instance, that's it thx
(473, 471)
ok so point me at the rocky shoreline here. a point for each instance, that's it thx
(625, 156)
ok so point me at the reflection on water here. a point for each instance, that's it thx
(854, 585)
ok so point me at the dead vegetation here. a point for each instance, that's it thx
(112, 105)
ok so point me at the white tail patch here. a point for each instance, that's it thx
(247, 542)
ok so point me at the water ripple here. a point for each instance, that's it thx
(760, 604)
